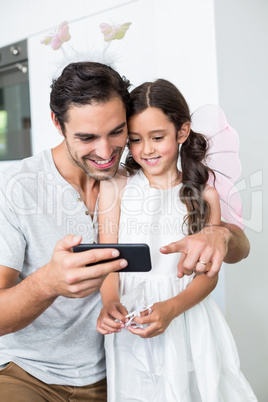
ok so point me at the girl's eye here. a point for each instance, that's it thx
(158, 138)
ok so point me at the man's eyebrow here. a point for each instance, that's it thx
(86, 135)
(122, 125)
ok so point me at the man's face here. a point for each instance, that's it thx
(95, 137)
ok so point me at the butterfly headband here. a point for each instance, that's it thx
(61, 34)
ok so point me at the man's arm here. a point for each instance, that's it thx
(66, 275)
(20, 304)
(238, 244)
(214, 244)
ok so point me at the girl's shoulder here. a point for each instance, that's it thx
(115, 185)
(210, 194)
(212, 197)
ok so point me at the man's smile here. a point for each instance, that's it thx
(103, 164)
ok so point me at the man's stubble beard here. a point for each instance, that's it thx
(94, 173)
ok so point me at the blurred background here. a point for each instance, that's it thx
(215, 52)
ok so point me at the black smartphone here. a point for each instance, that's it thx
(137, 255)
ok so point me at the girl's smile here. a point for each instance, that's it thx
(152, 161)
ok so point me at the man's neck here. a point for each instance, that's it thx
(86, 186)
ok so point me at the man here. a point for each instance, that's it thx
(49, 348)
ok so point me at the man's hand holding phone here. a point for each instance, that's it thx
(68, 274)
(136, 254)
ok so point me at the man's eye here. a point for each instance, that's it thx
(117, 132)
(135, 140)
(85, 139)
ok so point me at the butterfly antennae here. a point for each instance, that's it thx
(106, 47)
(64, 53)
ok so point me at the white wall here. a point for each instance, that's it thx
(173, 40)
(154, 46)
(241, 36)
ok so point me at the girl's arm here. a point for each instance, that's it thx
(109, 214)
(201, 286)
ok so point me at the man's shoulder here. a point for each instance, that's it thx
(29, 165)
(26, 174)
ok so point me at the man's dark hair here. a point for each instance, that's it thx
(86, 83)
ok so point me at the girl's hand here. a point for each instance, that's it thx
(158, 320)
(106, 323)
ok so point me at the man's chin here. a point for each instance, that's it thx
(105, 177)
(102, 175)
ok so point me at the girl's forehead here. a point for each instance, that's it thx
(149, 117)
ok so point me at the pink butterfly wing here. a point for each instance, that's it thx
(56, 42)
(56, 39)
(63, 32)
(222, 157)
(108, 31)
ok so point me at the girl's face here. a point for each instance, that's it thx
(154, 142)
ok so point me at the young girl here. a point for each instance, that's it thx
(181, 349)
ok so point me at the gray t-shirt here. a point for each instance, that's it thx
(38, 208)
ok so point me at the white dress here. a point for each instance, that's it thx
(195, 359)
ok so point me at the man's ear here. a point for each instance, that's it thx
(56, 123)
(184, 132)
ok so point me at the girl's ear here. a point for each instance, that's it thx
(56, 123)
(184, 132)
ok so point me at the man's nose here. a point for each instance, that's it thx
(104, 150)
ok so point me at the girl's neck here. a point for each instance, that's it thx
(164, 182)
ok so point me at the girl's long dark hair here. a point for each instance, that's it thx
(163, 95)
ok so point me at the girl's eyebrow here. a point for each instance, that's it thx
(159, 131)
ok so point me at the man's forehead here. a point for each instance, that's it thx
(97, 119)
(113, 107)
(96, 102)
(112, 104)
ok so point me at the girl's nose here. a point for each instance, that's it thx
(148, 148)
